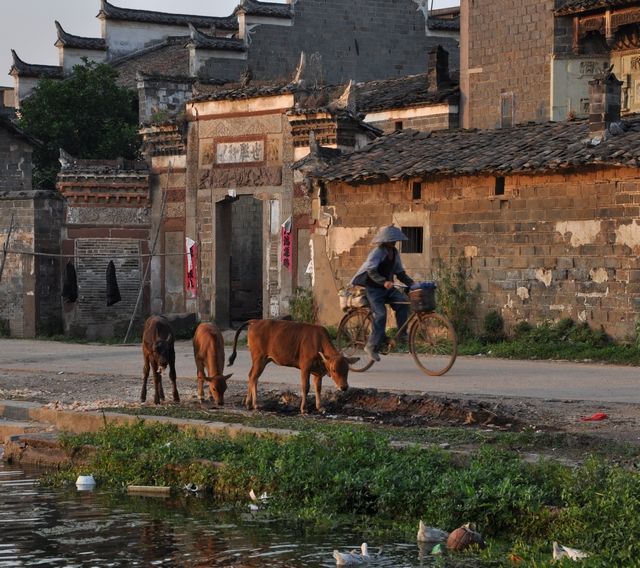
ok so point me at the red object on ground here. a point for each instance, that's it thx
(597, 416)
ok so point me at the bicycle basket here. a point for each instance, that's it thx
(353, 297)
(423, 297)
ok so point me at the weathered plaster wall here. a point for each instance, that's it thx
(124, 37)
(441, 117)
(509, 49)
(553, 246)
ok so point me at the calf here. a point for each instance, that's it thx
(292, 344)
(158, 352)
(208, 350)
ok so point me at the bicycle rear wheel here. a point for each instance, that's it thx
(353, 331)
(433, 343)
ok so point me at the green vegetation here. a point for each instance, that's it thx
(87, 114)
(455, 298)
(302, 306)
(564, 339)
(319, 476)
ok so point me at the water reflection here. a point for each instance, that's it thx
(70, 528)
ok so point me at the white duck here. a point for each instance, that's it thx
(431, 534)
(560, 551)
(353, 557)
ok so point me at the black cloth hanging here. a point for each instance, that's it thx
(69, 284)
(113, 292)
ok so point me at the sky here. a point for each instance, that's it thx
(28, 25)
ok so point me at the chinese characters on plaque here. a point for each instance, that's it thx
(240, 152)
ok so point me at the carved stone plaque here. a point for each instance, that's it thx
(245, 177)
(240, 152)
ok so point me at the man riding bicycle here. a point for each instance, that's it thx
(376, 275)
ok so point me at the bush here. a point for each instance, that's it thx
(493, 328)
(302, 306)
(456, 300)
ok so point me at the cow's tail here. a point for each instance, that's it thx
(232, 357)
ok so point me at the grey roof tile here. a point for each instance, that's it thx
(68, 40)
(22, 69)
(265, 9)
(523, 148)
(111, 12)
(576, 6)
(204, 41)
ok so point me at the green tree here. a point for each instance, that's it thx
(87, 114)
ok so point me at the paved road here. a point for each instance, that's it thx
(469, 375)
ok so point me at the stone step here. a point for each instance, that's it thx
(9, 428)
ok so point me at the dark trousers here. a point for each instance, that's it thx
(378, 298)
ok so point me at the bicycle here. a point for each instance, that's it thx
(431, 337)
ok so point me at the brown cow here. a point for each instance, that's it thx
(208, 350)
(158, 352)
(292, 344)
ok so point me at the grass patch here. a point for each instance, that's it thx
(324, 476)
(563, 340)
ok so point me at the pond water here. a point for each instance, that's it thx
(71, 528)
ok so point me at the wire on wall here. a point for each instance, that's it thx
(153, 248)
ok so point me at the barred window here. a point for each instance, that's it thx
(414, 244)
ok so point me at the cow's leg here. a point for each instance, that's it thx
(158, 395)
(145, 377)
(251, 400)
(304, 389)
(201, 376)
(317, 387)
(173, 377)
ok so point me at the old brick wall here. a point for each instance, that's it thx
(29, 291)
(15, 157)
(553, 246)
(264, 175)
(444, 121)
(107, 218)
(509, 50)
(360, 40)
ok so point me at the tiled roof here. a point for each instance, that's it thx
(577, 6)
(265, 9)
(204, 41)
(12, 127)
(168, 58)
(402, 92)
(22, 69)
(248, 92)
(444, 24)
(111, 12)
(67, 40)
(525, 148)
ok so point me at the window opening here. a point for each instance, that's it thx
(507, 110)
(399, 125)
(416, 191)
(414, 243)
(499, 186)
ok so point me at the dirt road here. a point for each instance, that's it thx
(545, 394)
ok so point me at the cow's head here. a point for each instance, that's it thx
(163, 348)
(338, 368)
(217, 386)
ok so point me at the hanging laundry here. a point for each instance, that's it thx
(190, 279)
(113, 292)
(69, 284)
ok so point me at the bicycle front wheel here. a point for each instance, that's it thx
(353, 332)
(433, 343)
